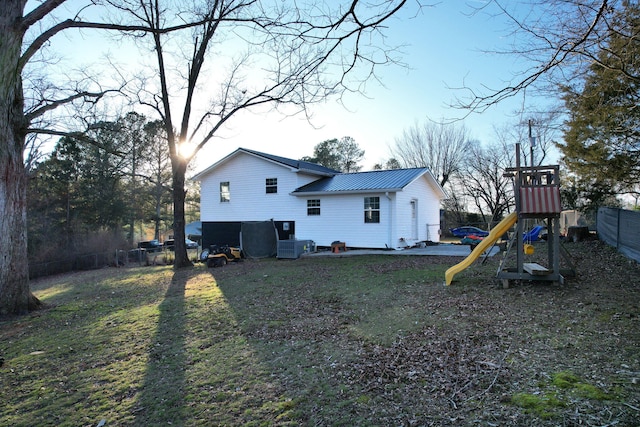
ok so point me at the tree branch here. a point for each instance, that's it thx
(561, 50)
(80, 136)
(52, 105)
(39, 13)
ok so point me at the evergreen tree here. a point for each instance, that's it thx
(342, 155)
(132, 134)
(53, 194)
(117, 183)
(602, 137)
(158, 174)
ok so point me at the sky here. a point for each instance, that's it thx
(445, 47)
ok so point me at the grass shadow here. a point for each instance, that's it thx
(309, 321)
(162, 396)
(319, 341)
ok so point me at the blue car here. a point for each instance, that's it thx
(468, 231)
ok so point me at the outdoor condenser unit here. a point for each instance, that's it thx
(292, 249)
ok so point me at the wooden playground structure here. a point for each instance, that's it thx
(537, 197)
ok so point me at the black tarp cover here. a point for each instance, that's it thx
(259, 239)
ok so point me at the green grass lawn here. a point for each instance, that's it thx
(151, 346)
(366, 340)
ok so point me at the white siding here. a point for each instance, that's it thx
(428, 212)
(342, 218)
(249, 201)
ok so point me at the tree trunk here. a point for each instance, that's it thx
(15, 296)
(179, 166)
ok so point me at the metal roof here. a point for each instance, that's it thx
(300, 165)
(335, 182)
(296, 164)
(373, 181)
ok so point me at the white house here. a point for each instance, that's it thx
(377, 209)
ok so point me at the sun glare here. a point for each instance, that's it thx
(186, 149)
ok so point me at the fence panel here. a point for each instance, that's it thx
(90, 261)
(620, 228)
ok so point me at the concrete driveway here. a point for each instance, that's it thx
(442, 249)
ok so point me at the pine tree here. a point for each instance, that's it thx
(602, 138)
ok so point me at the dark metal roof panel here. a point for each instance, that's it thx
(296, 164)
(386, 180)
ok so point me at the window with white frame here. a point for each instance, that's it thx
(225, 192)
(372, 209)
(271, 185)
(313, 207)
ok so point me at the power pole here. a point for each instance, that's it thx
(532, 141)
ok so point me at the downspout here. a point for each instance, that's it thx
(390, 231)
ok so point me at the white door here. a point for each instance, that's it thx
(414, 219)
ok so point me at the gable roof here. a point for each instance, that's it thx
(367, 182)
(298, 165)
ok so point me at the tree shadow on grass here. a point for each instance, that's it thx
(161, 399)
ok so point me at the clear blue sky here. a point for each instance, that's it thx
(446, 49)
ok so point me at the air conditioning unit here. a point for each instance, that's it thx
(292, 249)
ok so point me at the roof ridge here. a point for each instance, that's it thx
(383, 170)
(290, 162)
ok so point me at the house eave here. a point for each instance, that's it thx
(312, 172)
(346, 192)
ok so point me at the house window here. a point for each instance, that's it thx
(372, 209)
(313, 207)
(225, 193)
(271, 185)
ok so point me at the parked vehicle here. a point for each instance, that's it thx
(468, 231)
(169, 244)
(471, 240)
(218, 256)
(150, 245)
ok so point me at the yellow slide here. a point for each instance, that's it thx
(502, 227)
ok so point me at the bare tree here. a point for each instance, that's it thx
(286, 55)
(455, 204)
(22, 116)
(484, 183)
(558, 39)
(439, 147)
(543, 127)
